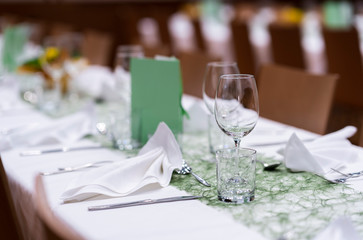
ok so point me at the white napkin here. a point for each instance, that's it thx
(319, 156)
(341, 229)
(98, 82)
(63, 130)
(198, 114)
(155, 163)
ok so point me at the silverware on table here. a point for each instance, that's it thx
(142, 202)
(186, 169)
(268, 166)
(75, 168)
(55, 150)
(346, 176)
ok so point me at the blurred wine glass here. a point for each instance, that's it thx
(236, 107)
(216, 138)
(211, 77)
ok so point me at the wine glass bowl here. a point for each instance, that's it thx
(236, 107)
(211, 77)
(216, 138)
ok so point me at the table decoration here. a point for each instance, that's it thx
(156, 94)
(299, 203)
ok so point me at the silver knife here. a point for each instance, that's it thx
(142, 202)
(54, 150)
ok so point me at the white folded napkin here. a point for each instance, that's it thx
(197, 114)
(63, 130)
(154, 164)
(319, 156)
(340, 229)
(98, 82)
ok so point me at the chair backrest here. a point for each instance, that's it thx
(242, 47)
(97, 47)
(295, 97)
(54, 227)
(344, 57)
(198, 33)
(286, 45)
(9, 226)
(193, 66)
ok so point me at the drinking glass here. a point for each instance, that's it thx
(216, 138)
(236, 106)
(236, 174)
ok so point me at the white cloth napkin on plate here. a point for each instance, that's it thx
(63, 130)
(319, 156)
(154, 164)
(340, 229)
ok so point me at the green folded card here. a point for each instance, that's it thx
(156, 91)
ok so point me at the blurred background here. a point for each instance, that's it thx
(253, 33)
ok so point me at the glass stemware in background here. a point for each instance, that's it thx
(120, 109)
(122, 68)
(236, 105)
(216, 138)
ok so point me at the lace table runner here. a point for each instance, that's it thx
(300, 204)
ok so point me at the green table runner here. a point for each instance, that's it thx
(301, 204)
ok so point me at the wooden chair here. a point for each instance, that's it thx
(97, 47)
(9, 226)
(198, 33)
(286, 45)
(55, 228)
(193, 65)
(295, 97)
(243, 47)
(344, 57)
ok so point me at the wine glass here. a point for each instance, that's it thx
(216, 138)
(236, 106)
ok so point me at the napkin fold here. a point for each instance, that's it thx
(63, 130)
(154, 164)
(319, 156)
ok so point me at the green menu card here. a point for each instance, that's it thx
(156, 91)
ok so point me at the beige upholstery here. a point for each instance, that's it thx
(295, 97)
(54, 227)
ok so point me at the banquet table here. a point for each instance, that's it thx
(301, 204)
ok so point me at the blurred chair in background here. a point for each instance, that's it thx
(286, 45)
(198, 34)
(344, 58)
(54, 227)
(193, 66)
(242, 47)
(295, 97)
(97, 47)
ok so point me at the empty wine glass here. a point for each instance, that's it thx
(236, 107)
(216, 138)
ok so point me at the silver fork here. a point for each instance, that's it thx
(346, 175)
